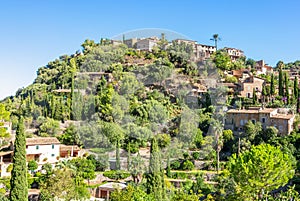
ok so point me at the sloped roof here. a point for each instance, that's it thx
(112, 186)
(69, 148)
(42, 141)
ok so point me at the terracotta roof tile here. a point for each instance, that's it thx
(42, 141)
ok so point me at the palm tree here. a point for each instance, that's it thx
(216, 38)
(218, 128)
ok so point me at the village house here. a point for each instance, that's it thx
(104, 190)
(234, 53)
(147, 44)
(279, 118)
(204, 51)
(262, 68)
(131, 43)
(247, 86)
(201, 52)
(240, 74)
(42, 150)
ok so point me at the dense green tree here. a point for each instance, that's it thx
(49, 127)
(129, 85)
(58, 185)
(188, 127)
(250, 62)
(84, 168)
(101, 57)
(231, 79)
(70, 136)
(157, 72)
(222, 60)
(131, 193)
(252, 130)
(115, 134)
(18, 182)
(273, 167)
(180, 53)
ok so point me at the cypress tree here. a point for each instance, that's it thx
(128, 157)
(286, 83)
(272, 87)
(279, 66)
(298, 102)
(18, 182)
(296, 88)
(254, 97)
(118, 163)
(73, 71)
(264, 93)
(280, 84)
(154, 177)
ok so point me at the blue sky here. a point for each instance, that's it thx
(35, 32)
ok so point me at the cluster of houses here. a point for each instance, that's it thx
(201, 51)
(248, 83)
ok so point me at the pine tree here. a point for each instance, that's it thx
(154, 177)
(286, 84)
(18, 182)
(272, 87)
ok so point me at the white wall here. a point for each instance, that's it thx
(46, 151)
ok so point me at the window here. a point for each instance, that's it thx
(37, 147)
(263, 120)
(253, 121)
(52, 155)
(53, 146)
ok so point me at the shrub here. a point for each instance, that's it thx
(188, 165)
(163, 140)
(179, 175)
(32, 165)
(9, 168)
(116, 174)
(196, 155)
(186, 155)
(175, 165)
